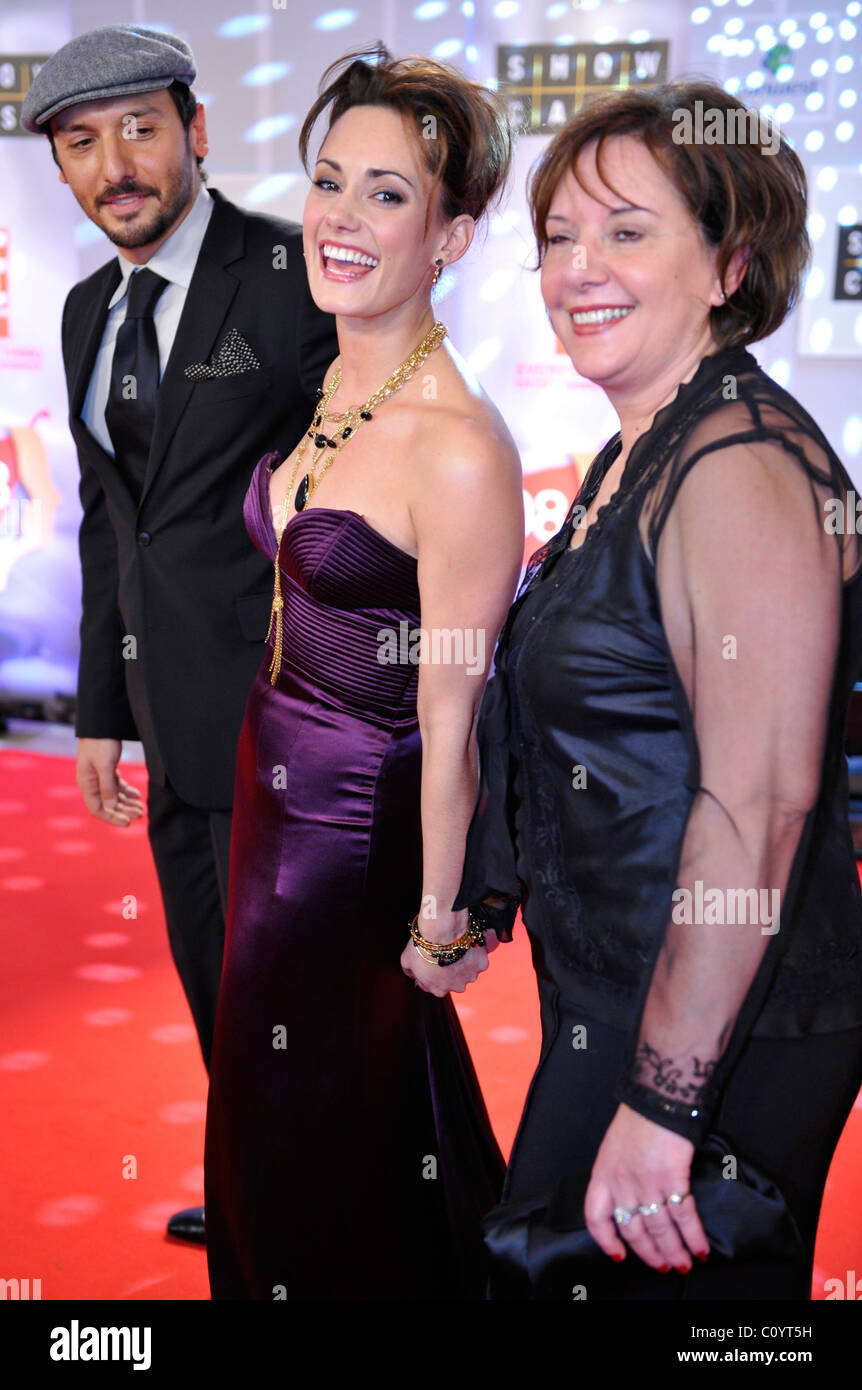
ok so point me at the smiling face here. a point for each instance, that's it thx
(131, 165)
(628, 280)
(367, 250)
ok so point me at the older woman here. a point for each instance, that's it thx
(663, 781)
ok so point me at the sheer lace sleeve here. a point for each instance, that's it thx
(749, 581)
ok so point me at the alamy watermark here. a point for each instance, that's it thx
(437, 646)
(77, 1343)
(712, 125)
(842, 518)
(719, 906)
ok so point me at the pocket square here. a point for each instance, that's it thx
(232, 356)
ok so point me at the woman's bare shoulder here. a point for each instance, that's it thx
(459, 418)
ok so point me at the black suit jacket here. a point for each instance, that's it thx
(178, 572)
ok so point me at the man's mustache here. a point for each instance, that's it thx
(114, 191)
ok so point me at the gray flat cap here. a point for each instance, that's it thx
(109, 62)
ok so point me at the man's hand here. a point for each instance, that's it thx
(106, 794)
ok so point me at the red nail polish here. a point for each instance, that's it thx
(683, 1269)
(703, 1257)
(617, 1258)
(664, 1269)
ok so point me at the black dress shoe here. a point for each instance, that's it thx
(189, 1225)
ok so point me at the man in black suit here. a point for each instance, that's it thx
(180, 377)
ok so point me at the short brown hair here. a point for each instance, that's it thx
(471, 152)
(741, 197)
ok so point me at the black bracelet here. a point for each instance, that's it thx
(690, 1121)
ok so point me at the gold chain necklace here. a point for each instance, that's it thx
(352, 419)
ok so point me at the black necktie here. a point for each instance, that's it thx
(131, 408)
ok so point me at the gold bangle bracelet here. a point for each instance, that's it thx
(447, 952)
(466, 939)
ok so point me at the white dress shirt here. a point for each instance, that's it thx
(175, 260)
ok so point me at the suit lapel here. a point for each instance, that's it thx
(210, 295)
(88, 338)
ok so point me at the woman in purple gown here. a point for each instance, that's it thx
(348, 1151)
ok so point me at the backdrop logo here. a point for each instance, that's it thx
(548, 494)
(4, 282)
(28, 497)
(543, 85)
(16, 73)
(848, 264)
(779, 56)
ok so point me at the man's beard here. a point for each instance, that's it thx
(176, 198)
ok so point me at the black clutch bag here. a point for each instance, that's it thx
(540, 1248)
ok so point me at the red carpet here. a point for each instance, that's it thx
(102, 1089)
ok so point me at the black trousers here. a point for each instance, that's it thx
(191, 848)
(784, 1108)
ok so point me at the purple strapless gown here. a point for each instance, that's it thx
(348, 1151)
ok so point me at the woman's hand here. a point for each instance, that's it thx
(445, 979)
(640, 1163)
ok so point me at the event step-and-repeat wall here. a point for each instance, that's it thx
(259, 64)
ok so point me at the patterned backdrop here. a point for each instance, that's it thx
(259, 65)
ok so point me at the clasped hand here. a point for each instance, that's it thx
(446, 979)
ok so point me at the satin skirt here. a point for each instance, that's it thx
(348, 1151)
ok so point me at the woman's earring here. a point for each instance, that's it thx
(436, 276)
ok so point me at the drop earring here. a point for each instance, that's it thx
(436, 276)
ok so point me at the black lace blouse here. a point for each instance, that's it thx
(663, 787)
